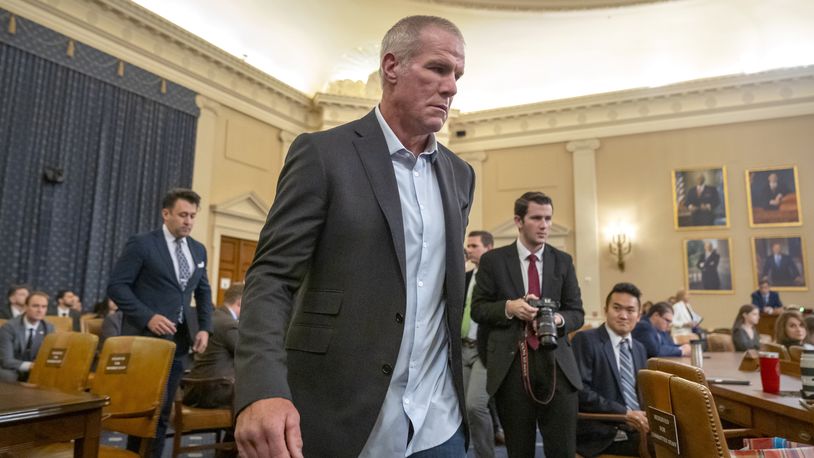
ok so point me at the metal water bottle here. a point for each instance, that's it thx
(696, 353)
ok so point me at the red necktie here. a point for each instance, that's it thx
(534, 288)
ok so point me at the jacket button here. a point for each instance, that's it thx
(387, 369)
(399, 318)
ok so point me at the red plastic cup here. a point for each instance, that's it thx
(770, 371)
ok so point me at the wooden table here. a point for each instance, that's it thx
(31, 416)
(748, 406)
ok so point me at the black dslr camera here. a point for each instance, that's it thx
(544, 321)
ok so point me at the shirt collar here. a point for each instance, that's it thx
(28, 325)
(615, 338)
(169, 237)
(394, 145)
(524, 252)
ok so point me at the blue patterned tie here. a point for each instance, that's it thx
(627, 376)
(183, 265)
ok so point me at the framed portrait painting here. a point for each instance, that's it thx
(700, 199)
(708, 266)
(781, 261)
(774, 197)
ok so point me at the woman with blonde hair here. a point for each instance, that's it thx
(790, 329)
(685, 320)
(744, 329)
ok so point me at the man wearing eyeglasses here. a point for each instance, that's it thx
(653, 331)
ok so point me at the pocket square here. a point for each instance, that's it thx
(201, 265)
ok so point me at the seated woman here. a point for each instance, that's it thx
(790, 329)
(685, 319)
(744, 330)
(809, 341)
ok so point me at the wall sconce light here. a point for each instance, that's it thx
(620, 245)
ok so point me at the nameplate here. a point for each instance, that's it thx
(117, 363)
(56, 357)
(663, 429)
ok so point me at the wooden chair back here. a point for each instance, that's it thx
(92, 326)
(63, 361)
(790, 367)
(780, 349)
(676, 368)
(61, 323)
(720, 342)
(795, 353)
(133, 372)
(699, 427)
(583, 328)
(685, 338)
(722, 331)
(655, 388)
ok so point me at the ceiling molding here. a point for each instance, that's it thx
(539, 5)
(778, 93)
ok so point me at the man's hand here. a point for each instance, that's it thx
(685, 349)
(269, 428)
(160, 325)
(201, 341)
(637, 419)
(521, 309)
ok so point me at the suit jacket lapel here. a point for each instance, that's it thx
(516, 275)
(452, 222)
(610, 355)
(164, 252)
(372, 150)
(549, 261)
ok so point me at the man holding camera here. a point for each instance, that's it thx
(534, 380)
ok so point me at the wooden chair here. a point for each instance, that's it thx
(685, 338)
(188, 419)
(722, 331)
(795, 353)
(92, 326)
(573, 333)
(63, 361)
(133, 373)
(720, 342)
(777, 348)
(3, 321)
(61, 323)
(789, 367)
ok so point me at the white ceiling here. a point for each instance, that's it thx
(513, 57)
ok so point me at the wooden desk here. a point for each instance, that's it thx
(748, 406)
(32, 416)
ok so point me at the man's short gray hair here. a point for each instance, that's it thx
(402, 40)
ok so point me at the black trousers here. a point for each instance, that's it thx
(521, 416)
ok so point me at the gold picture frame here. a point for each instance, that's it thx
(697, 200)
(788, 272)
(777, 207)
(708, 272)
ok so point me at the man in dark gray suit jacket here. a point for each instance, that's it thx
(218, 361)
(153, 283)
(609, 360)
(353, 303)
(508, 277)
(21, 338)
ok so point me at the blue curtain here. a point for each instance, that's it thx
(118, 152)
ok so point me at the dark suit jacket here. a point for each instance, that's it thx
(656, 343)
(774, 300)
(709, 270)
(782, 275)
(76, 316)
(500, 279)
(143, 283)
(323, 309)
(5, 312)
(601, 386)
(217, 361)
(483, 328)
(708, 196)
(13, 339)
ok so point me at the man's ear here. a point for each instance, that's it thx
(518, 221)
(389, 65)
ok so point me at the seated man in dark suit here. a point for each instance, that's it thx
(765, 299)
(17, 294)
(67, 302)
(653, 331)
(21, 338)
(609, 360)
(218, 360)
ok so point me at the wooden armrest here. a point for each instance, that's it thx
(739, 432)
(615, 417)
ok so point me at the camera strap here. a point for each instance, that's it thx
(525, 373)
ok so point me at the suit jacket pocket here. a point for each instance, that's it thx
(312, 339)
(322, 302)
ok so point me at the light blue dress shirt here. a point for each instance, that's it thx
(421, 391)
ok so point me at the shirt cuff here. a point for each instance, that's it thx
(25, 366)
(563, 321)
(506, 311)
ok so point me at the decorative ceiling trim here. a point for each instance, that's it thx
(774, 94)
(540, 5)
(134, 34)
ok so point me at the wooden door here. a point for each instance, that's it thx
(235, 258)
